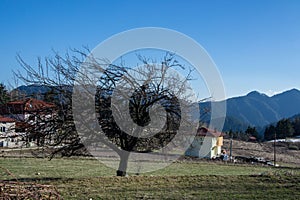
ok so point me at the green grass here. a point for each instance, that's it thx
(180, 187)
(85, 168)
(55, 168)
(88, 178)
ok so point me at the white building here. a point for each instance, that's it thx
(17, 116)
(206, 144)
(8, 135)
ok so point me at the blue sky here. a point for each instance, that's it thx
(255, 44)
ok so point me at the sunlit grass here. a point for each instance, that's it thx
(88, 178)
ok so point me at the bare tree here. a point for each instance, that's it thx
(139, 109)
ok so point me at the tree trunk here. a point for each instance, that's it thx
(123, 163)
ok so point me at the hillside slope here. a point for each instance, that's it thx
(257, 109)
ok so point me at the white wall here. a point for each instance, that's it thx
(9, 128)
(201, 147)
(204, 147)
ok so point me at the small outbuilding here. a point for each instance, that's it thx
(206, 144)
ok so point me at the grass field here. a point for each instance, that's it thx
(89, 179)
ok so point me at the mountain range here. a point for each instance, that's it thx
(254, 109)
(257, 109)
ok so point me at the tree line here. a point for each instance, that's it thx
(250, 134)
(283, 129)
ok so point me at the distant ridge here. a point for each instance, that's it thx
(258, 109)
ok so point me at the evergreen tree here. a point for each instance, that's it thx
(251, 131)
(270, 132)
(4, 96)
(284, 128)
(296, 126)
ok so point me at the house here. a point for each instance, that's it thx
(17, 116)
(8, 135)
(207, 143)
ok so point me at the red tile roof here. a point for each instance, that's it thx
(34, 105)
(6, 119)
(252, 138)
(202, 131)
(26, 105)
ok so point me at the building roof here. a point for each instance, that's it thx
(35, 104)
(252, 138)
(6, 119)
(202, 131)
(26, 105)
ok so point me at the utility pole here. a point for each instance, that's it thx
(230, 152)
(230, 147)
(275, 149)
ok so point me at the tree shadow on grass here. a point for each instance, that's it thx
(35, 179)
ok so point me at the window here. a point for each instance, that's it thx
(200, 140)
(31, 118)
(2, 129)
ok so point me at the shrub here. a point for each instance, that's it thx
(293, 147)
